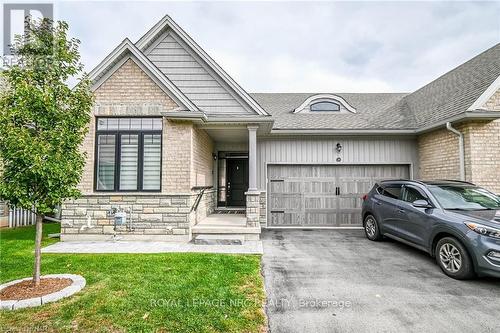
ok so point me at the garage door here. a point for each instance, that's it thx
(322, 195)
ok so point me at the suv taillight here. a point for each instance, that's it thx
(364, 197)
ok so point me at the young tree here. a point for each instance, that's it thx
(43, 123)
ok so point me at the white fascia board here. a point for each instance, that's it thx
(183, 115)
(481, 115)
(485, 96)
(167, 21)
(324, 96)
(120, 52)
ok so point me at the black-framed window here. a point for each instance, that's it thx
(325, 106)
(128, 154)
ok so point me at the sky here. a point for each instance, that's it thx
(304, 46)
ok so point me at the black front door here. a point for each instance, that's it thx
(237, 181)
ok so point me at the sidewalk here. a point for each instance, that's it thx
(249, 247)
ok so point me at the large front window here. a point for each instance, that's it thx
(128, 154)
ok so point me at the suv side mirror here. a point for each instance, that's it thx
(421, 204)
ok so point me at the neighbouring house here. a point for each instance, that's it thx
(180, 149)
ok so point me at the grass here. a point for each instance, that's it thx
(171, 292)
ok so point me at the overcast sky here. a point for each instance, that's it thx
(305, 46)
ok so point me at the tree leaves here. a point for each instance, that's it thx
(43, 121)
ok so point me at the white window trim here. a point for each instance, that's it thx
(324, 98)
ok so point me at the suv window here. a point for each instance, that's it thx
(391, 191)
(411, 194)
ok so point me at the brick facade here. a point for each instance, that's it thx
(439, 159)
(186, 162)
(203, 164)
(482, 154)
(438, 155)
(493, 104)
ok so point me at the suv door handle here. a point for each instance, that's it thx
(401, 210)
(378, 203)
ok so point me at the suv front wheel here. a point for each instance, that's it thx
(454, 259)
(372, 231)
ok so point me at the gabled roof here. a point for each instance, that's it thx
(455, 92)
(127, 49)
(165, 23)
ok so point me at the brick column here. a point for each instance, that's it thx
(253, 208)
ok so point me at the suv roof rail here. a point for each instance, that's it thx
(402, 180)
(455, 181)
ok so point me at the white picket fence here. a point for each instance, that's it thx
(21, 217)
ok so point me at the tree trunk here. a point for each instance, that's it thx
(38, 249)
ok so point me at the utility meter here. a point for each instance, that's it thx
(120, 218)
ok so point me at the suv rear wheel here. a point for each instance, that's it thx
(454, 259)
(372, 231)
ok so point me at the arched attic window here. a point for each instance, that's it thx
(325, 106)
(325, 103)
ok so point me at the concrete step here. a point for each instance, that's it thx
(211, 239)
(230, 211)
(223, 229)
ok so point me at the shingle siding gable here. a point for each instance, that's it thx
(200, 84)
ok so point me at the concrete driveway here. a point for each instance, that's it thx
(338, 281)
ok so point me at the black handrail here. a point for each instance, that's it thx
(199, 196)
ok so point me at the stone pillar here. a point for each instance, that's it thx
(252, 195)
(253, 208)
(252, 158)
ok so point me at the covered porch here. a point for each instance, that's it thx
(236, 208)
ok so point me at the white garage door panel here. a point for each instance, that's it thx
(306, 195)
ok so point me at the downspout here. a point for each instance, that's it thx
(460, 149)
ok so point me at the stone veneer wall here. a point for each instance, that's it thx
(151, 217)
(206, 206)
(263, 208)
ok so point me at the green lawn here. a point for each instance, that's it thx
(138, 292)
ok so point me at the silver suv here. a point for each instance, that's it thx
(458, 223)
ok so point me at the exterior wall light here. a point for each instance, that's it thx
(339, 147)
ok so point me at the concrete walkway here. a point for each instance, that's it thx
(248, 247)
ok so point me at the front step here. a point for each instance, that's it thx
(226, 232)
(232, 211)
(211, 239)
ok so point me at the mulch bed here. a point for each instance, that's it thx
(26, 289)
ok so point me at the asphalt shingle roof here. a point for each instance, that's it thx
(454, 92)
(369, 112)
(449, 95)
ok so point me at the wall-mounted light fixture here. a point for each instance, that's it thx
(339, 147)
(214, 156)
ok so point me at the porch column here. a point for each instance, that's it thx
(252, 157)
(252, 196)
